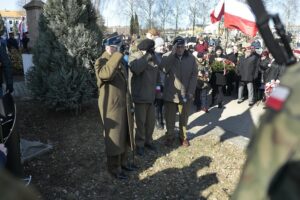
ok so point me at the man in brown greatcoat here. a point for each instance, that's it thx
(115, 107)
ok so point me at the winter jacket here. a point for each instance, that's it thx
(205, 72)
(247, 68)
(181, 76)
(144, 79)
(201, 48)
(232, 57)
(270, 70)
(217, 78)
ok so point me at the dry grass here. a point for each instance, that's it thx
(75, 169)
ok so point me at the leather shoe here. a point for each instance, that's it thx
(240, 101)
(251, 104)
(140, 151)
(130, 167)
(185, 143)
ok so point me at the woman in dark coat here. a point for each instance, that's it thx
(218, 78)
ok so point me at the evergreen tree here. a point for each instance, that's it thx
(132, 25)
(136, 25)
(68, 44)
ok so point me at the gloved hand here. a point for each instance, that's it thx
(9, 89)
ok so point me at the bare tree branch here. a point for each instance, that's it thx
(147, 10)
(163, 12)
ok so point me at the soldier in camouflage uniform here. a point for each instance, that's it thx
(10, 189)
(272, 170)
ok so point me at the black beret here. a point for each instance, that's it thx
(179, 41)
(146, 45)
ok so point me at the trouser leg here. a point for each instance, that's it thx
(250, 92)
(213, 94)
(124, 157)
(140, 118)
(204, 98)
(241, 91)
(183, 119)
(170, 115)
(13, 164)
(198, 98)
(114, 164)
(159, 112)
(220, 95)
(150, 123)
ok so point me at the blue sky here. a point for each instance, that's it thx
(8, 4)
(112, 12)
(108, 13)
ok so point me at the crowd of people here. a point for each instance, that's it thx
(156, 80)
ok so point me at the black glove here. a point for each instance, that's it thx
(9, 89)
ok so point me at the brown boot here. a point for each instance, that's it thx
(185, 143)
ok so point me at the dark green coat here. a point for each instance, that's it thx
(144, 78)
(114, 103)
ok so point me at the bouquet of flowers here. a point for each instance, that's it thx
(270, 86)
(223, 65)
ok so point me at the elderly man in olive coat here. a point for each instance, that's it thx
(115, 107)
(143, 66)
(181, 72)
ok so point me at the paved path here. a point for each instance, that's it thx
(235, 122)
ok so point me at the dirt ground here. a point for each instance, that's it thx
(76, 169)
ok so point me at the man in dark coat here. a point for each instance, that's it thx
(143, 83)
(181, 72)
(247, 70)
(115, 107)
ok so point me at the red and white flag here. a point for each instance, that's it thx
(237, 15)
(217, 14)
(277, 98)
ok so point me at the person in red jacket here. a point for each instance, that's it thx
(201, 46)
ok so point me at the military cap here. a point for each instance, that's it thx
(146, 45)
(179, 41)
(112, 40)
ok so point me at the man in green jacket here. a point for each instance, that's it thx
(115, 107)
(144, 78)
(181, 72)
